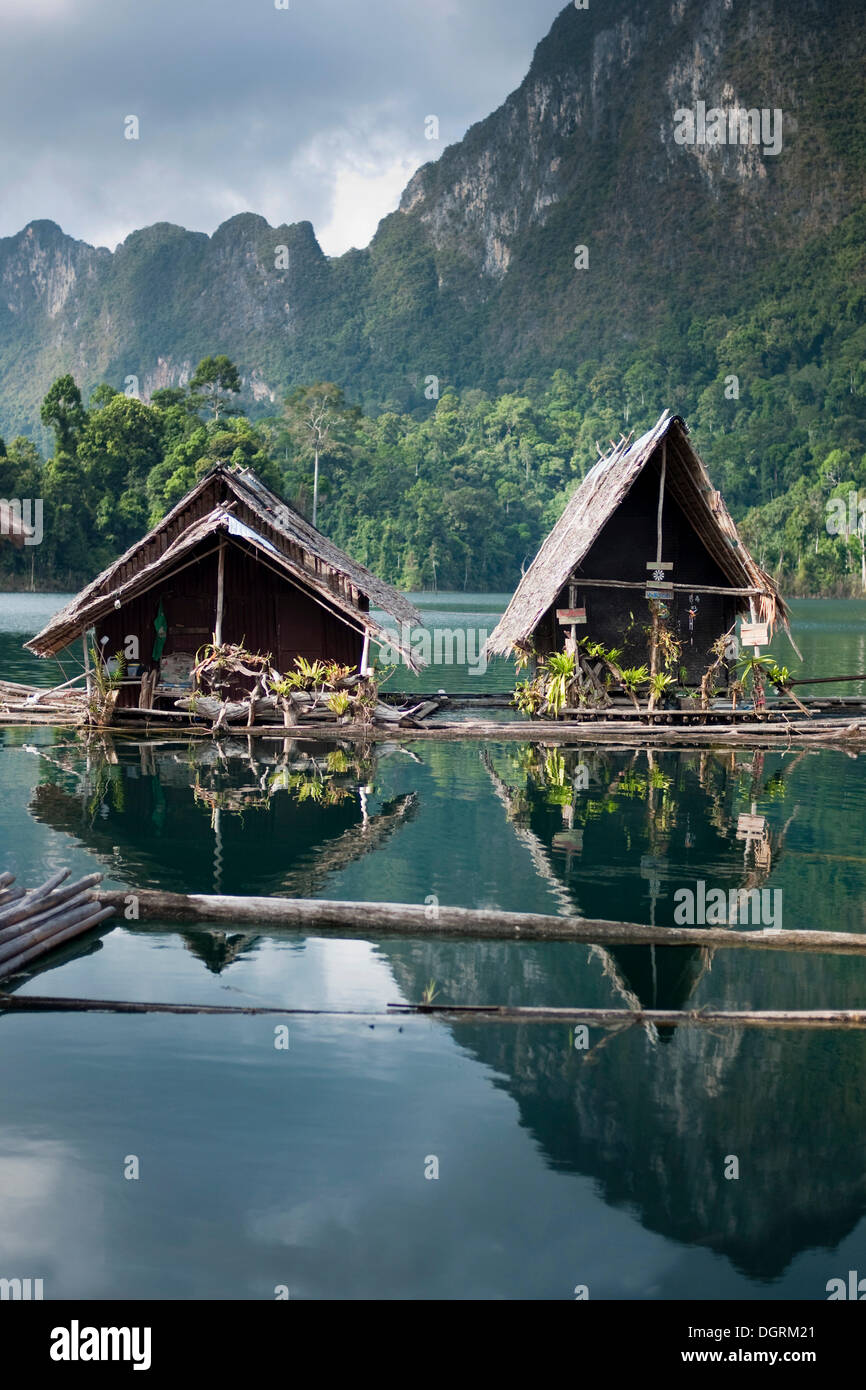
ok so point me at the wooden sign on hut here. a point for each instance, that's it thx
(230, 563)
(644, 540)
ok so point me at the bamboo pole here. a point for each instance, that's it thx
(10, 922)
(616, 1018)
(41, 947)
(766, 733)
(88, 678)
(220, 594)
(730, 592)
(48, 930)
(472, 1013)
(826, 680)
(36, 895)
(375, 918)
(55, 689)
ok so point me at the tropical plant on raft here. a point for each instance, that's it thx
(559, 673)
(561, 669)
(659, 684)
(752, 672)
(325, 681)
(529, 696)
(630, 679)
(106, 678)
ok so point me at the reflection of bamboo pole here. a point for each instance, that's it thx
(217, 851)
(541, 861)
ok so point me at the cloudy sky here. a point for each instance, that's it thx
(313, 111)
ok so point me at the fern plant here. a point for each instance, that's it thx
(561, 668)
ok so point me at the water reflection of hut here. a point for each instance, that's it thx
(644, 523)
(139, 813)
(651, 824)
(234, 563)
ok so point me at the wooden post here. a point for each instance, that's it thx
(753, 614)
(571, 639)
(654, 638)
(661, 501)
(87, 676)
(365, 654)
(220, 599)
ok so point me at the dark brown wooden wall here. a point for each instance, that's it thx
(621, 551)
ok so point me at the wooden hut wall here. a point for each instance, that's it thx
(261, 610)
(268, 614)
(621, 551)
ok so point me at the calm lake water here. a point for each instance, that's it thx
(557, 1166)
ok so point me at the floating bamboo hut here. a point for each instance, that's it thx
(645, 539)
(230, 563)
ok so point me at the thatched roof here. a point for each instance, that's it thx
(594, 503)
(238, 504)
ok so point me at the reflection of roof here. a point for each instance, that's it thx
(238, 503)
(594, 503)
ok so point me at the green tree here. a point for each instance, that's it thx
(63, 412)
(213, 383)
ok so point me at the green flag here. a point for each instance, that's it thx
(161, 628)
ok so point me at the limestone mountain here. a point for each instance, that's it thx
(474, 279)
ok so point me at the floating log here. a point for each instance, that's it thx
(136, 711)
(209, 707)
(379, 919)
(465, 1013)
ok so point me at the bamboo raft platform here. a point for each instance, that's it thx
(33, 923)
(828, 721)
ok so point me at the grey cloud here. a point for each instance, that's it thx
(298, 114)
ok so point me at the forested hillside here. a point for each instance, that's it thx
(457, 499)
